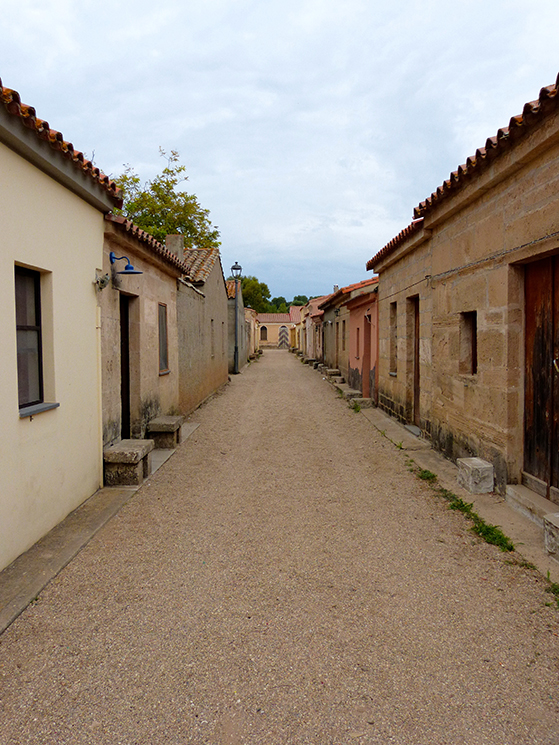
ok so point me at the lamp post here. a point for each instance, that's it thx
(236, 270)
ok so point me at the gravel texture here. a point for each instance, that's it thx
(283, 579)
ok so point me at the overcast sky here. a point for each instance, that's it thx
(309, 128)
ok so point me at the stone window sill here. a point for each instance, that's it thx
(31, 411)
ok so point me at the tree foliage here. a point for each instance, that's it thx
(300, 300)
(256, 295)
(160, 208)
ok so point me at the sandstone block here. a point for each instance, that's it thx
(475, 475)
(551, 534)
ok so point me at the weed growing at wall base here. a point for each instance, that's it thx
(490, 533)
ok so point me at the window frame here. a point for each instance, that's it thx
(37, 328)
(163, 359)
(393, 339)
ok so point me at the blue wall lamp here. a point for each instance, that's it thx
(128, 269)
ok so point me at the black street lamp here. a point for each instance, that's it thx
(236, 271)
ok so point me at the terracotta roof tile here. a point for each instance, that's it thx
(200, 262)
(339, 294)
(295, 313)
(402, 237)
(28, 117)
(506, 138)
(274, 318)
(128, 227)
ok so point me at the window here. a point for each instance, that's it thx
(468, 343)
(357, 344)
(29, 346)
(263, 333)
(343, 336)
(163, 346)
(393, 338)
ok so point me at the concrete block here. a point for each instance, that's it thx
(475, 475)
(551, 534)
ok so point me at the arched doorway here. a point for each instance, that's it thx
(283, 341)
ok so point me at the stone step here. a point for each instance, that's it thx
(364, 403)
(346, 391)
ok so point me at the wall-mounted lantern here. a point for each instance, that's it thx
(128, 269)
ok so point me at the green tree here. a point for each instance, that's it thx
(256, 294)
(300, 300)
(160, 209)
(278, 302)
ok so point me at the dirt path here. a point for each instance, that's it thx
(284, 579)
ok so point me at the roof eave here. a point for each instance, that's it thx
(15, 135)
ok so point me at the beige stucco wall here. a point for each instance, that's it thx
(53, 462)
(273, 333)
(150, 393)
(472, 251)
(202, 352)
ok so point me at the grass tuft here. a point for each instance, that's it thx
(490, 533)
(427, 475)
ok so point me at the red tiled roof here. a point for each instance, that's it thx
(346, 290)
(274, 318)
(200, 262)
(295, 313)
(27, 115)
(128, 227)
(402, 237)
(506, 138)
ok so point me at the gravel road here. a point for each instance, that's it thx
(284, 578)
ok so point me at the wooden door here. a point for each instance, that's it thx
(541, 387)
(416, 381)
(125, 366)
(366, 371)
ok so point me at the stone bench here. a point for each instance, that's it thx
(128, 462)
(165, 431)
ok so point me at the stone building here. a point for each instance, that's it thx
(53, 207)
(139, 333)
(363, 342)
(336, 324)
(469, 306)
(237, 337)
(164, 331)
(279, 329)
(202, 319)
